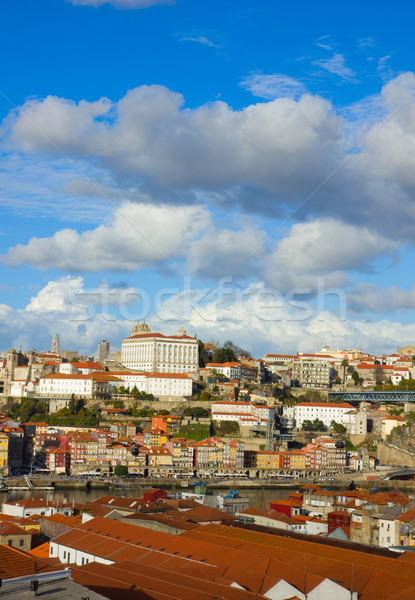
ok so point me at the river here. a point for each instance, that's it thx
(258, 498)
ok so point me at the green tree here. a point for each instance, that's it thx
(120, 470)
(355, 377)
(202, 358)
(338, 427)
(316, 425)
(344, 364)
(223, 355)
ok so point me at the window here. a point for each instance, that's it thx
(21, 542)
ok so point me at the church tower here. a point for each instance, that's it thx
(55, 344)
(140, 328)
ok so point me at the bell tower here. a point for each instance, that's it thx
(140, 328)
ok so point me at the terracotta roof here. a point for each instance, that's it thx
(148, 581)
(88, 365)
(64, 520)
(11, 529)
(160, 335)
(15, 563)
(326, 404)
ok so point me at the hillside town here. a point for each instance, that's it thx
(329, 431)
(174, 406)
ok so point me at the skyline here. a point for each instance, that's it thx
(246, 172)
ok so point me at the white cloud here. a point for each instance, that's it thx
(147, 137)
(262, 320)
(276, 85)
(129, 4)
(329, 245)
(198, 39)
(389, 150)
(365, 42)
(255, 318)
(337, 66)
(262, 159)
(322, 42)
(226, 252)
(367, 297)
(142, 235)
(60, 307)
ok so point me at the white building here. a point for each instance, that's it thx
(158, 353)
(231, 370)
(355, 422)
(308, 411)
(35, 506)
(287, 419)
(93, 385)
(161, 385)
(80, 367)
(243, 413)
(279, 358)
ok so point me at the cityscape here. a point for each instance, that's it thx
(207, 301)
(171, 443)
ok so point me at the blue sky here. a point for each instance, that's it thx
(214, 164)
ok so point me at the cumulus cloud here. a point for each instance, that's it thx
(265, 158)
(389, 150)
(144, 235)
(326, 245)
(129, 4)
(148, 137)
(263, 320)
(225, 252)
(62, 306)
(254, 317)
(381, 300)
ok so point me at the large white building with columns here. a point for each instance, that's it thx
(158, 353)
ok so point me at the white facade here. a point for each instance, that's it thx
(308, 411)
(355, 422)
(83, 386)
(158, 384)
(287, 419)
(158, 353)
(33, 506)
(387, 532)
(229, 370)
(243, 413)
(66, 555)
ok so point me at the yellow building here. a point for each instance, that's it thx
(160, 457)
(4, 453)
(268, 459)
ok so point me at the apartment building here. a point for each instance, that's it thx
(311, 373)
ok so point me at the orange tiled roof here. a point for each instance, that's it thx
(15, 563)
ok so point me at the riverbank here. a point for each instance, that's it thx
(130, 485)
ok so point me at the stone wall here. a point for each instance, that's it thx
(389, 455)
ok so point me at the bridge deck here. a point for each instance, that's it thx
(393, 396)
